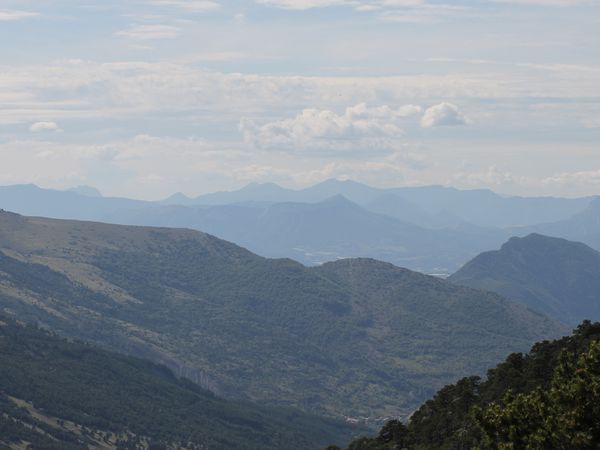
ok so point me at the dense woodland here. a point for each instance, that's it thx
(357, 338)
(548, 398)
(57, 394)
(354, 338)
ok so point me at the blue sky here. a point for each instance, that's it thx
(145, 98)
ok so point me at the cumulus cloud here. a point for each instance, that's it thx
(44, 126)
(443, 114)
(358, 127)
(149, 32)
(10, 15)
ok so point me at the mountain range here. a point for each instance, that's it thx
(313, 233)
(553, 276)
(352, 338)
(431, 206)
(430, 229)
(582, 227)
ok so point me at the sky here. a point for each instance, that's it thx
(144, 98)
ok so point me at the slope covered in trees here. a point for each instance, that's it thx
(553, 276)
(356, 338)
(548, 398)
(57, 394)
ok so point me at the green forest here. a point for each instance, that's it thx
(355, 338)
(59, 394)
(548, 398)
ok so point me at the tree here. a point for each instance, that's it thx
(566, 416)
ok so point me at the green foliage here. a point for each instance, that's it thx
(104, 393)
(566, 416)
(546, 399)
(353, 338)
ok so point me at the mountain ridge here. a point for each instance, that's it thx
(269, 330)
(554, 276)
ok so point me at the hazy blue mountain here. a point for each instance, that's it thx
(177, 199)
(262, 192)
(352, 190)
(88, 191)
(485, 208)
(59, 394)
(31, 200)
(351, 338)
(313, 233)
(273, 193)
(480, 207)
(553, 276)
(430, 206)
(583, 227)
(398, 207)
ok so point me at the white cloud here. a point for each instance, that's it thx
(443, 114)
(574, 179)
(189, 5)
(10, 15)
(492, 176)
(550, 2)
(359, 127)
(44, 126)
(410, 11)
(86, 89)
(148, 32)
(306, 4)
(119, 166)
(402, 3)
(239, 18)
(358, 5)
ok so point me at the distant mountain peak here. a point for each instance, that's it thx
(87, 191)
(340, 201)
(177, 197)
(537, 239)
(338, 198)
(333, 182)
(255, 185)
(554, 276)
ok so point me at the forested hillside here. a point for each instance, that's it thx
(355, 338)
(548, 398)
(553, 276)
(56, 394)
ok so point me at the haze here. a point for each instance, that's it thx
(146, 98)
